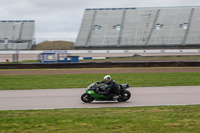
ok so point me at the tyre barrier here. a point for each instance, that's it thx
(103, 64)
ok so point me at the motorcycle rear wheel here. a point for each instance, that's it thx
(126, 96)
(86, 98)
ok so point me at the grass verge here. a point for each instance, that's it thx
(21, 62)
(157, 57)
(83, 80)
(113, 120)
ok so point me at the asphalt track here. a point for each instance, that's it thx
(70, 98)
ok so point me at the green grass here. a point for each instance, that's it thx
(163, 119)
(21, 62)
(83, 80)
(138, 58)
(28, 61)
(158, 57)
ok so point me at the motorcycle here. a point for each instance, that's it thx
(92, 90)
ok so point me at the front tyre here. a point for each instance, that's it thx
(86, 98)
(125, 96)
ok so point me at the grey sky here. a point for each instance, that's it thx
(62, 18)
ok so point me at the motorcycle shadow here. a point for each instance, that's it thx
(104, 102)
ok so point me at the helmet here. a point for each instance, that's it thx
(107, 79)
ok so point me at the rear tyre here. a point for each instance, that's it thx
(125, 96)
(86, 98)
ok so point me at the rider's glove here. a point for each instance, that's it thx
(98, 92)
(98, 82)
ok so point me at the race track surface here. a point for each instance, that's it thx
(70, 98)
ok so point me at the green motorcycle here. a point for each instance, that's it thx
(92, 90)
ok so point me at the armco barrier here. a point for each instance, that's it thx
(102, 64)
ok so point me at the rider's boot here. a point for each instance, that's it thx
(115, 97)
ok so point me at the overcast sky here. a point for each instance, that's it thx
(62, 18)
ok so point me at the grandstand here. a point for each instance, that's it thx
(155, 27)
(16, 34)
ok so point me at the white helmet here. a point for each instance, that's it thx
(107, 79)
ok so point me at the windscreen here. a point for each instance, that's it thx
(92, 86)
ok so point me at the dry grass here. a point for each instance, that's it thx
(54, 45)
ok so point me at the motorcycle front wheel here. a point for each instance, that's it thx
(86, 98)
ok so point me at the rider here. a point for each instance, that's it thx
(113, 89)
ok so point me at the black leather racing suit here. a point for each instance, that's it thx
(112, 90)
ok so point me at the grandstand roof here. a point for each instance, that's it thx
(134, 8)
(7, 21)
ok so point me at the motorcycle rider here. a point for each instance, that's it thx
(113, 89)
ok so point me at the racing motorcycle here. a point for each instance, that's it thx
(92, 94)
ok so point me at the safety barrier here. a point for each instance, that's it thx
(103, 64)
